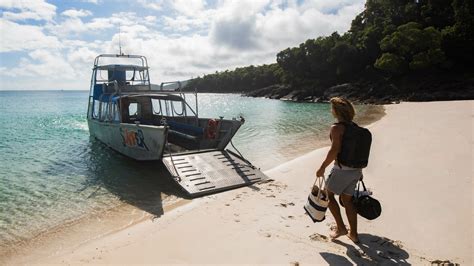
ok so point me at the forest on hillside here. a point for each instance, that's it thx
(394, 50)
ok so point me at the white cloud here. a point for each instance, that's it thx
(28, 9)
(180, 44)
(75, 25)
(152, 4)
(236, 32)
(16, 37)
(329, 7)
(82, 55)
(150, 19)
(72, 25)
(182, 23)
(242, 8)
(43, 63)
(98, 24)
(190, 8)
(73, 13)
(268, 25)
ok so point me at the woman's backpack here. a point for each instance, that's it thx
(355, 146)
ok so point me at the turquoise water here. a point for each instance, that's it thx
(52, 172)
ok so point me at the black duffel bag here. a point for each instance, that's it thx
(365, 205)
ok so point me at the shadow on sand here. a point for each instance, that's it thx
(372, 250)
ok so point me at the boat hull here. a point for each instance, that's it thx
(140, 142)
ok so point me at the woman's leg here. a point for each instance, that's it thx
(336, 212)
(351, 213)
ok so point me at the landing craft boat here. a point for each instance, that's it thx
(146, 122)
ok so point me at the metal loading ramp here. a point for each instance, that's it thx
(211, 171)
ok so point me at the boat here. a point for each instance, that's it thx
(131, 116)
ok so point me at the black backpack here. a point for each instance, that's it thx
(355, 147)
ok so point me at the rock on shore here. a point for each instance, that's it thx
(428, 88)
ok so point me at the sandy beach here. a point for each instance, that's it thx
(420, 169)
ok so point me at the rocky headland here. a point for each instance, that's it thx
(379, 91)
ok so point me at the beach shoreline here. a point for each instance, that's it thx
(94, 226)
(265, 223)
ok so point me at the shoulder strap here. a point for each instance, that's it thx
(352, 123)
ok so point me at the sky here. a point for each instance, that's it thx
(51, 44)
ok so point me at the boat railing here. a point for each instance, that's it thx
(141, 57)
(181, 93)
(170, 83)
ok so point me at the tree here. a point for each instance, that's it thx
(419, 48)
(391, 63)
(458, 39)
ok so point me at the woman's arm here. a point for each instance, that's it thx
(336, 136)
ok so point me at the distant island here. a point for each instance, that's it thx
(417, 50)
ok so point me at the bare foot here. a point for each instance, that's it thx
(353, 237)
(338, 233)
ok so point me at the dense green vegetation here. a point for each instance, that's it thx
(239, 80)
(389, 39)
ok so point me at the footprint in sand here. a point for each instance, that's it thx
(444, 263)
(318, 237)
(383, 241)
(264, 233)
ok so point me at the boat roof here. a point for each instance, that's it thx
(121, 67)
(144, 62)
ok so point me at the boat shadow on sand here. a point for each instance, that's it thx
(372, 250)
(143, 184)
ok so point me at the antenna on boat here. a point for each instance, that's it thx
(120, 42)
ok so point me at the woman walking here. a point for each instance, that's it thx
(342, 179)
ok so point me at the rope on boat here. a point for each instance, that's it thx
(241, 156)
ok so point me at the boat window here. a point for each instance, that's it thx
(116, 113)
(103, 111)
(133, 109)
(189, 110)
(101, 76)
(156, 104)
(131, 76)
(178, 108)
(95, 111)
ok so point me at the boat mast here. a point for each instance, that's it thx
(120, 42)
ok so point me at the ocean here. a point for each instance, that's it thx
(53, 173)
